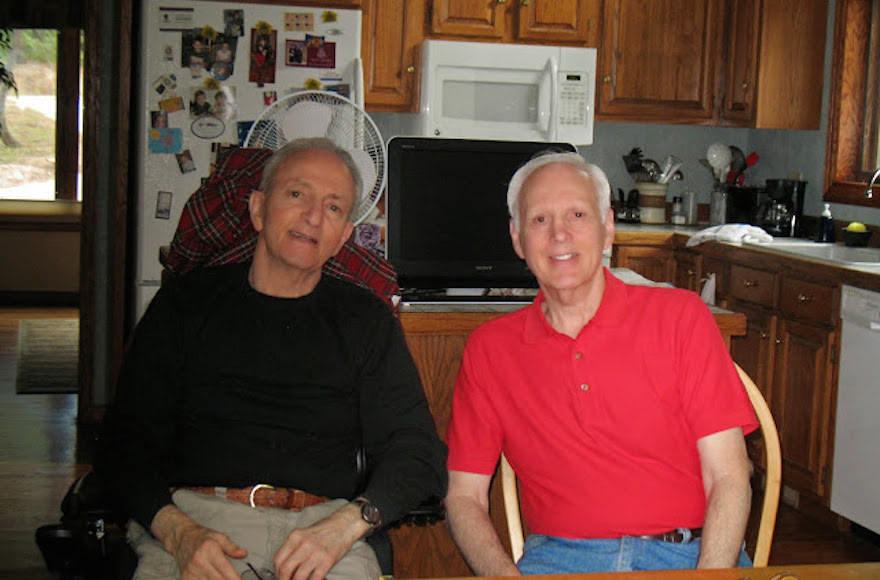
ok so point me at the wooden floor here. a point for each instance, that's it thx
(40, 455)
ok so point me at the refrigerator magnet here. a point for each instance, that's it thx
(165, 140)
(208, 127)
(295, 53)
(185, 161)
(163, 205)
(298, 21)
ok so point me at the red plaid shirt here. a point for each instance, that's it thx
(215, 228)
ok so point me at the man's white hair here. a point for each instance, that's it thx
(593, 174)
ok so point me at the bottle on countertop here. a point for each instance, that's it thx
(826, 226)
(679, 215)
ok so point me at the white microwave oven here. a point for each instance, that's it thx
(515, 92)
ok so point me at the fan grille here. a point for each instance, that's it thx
(327, 114)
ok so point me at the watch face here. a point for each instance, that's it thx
(371, 514)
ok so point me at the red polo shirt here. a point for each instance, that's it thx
(601, 430)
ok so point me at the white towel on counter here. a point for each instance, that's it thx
(735, 233)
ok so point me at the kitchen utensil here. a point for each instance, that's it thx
(719, 157)
(652, 168)
(633, 160)
(667, 170)
(737, 166)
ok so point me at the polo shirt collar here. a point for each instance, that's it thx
(611, 311)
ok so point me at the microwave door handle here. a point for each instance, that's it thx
(547, 95)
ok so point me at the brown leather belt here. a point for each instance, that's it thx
(263, 495)
(679, 536)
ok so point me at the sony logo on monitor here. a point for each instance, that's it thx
(487, 268)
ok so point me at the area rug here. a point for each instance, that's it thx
(48, 356)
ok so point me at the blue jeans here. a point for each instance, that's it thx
(551, 555)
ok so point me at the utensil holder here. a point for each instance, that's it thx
(652, 202)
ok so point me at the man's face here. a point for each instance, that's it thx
(303, 221)
(561, 234)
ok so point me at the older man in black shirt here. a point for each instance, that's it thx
(264, 384)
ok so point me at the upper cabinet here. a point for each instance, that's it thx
(750, 63)
(392, 33)
(658, 60)
(539, 21)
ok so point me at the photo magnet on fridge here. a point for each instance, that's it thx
(163, 205)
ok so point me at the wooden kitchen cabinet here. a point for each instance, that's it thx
(751, 63)
(688, 265)
(773, 71)
(801, 402)
(658, 60)
(538, 21)
(392, 33)
(655, 263)
(789, 351)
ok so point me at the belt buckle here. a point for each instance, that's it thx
(254, 491)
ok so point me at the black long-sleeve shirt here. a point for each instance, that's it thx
(224, 386)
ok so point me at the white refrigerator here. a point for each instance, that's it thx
(206, 71)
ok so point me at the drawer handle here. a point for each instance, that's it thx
(691, 273)
(765, 335)
(804, 298)
(750, 283)
(779, 341)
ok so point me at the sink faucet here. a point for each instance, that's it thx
(868, 192)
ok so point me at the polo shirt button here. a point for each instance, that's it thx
(578, 355)
(585, 387)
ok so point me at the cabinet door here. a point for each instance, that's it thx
(658, 60)
(741, 62)
(801, 401)
(652, 262)
(562, 21)
(687, 270)
(754, 353)
(468, 19)
(392, 32)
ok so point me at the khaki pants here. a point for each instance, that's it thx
(261, 531)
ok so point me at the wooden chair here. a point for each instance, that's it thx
(772, 484)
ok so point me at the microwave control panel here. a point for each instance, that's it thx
(574, 99)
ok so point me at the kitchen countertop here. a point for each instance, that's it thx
(647, 233)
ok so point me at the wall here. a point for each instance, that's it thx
(782, 152)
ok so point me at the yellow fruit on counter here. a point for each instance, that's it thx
(856, 227)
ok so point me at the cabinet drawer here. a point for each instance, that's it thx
(808, 300)
(753, 285)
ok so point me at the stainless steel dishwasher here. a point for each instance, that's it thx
(854, 488)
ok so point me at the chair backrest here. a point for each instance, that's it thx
(773, 467)
(772, 484)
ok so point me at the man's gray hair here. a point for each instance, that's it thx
(309, 144)
(593, 173)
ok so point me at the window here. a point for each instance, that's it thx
(41, 143)
(852, 152)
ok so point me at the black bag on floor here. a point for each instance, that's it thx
(89, 542)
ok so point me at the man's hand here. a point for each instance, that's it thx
(310, 552)
(200, 552)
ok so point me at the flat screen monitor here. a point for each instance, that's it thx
(447, 212)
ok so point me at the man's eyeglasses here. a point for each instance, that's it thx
(257, 574)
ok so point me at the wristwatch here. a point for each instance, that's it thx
(369, 512)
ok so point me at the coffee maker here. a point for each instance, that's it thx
(781, 207)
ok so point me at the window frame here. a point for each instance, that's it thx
(845, 181)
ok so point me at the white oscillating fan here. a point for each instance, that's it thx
(327, 114)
